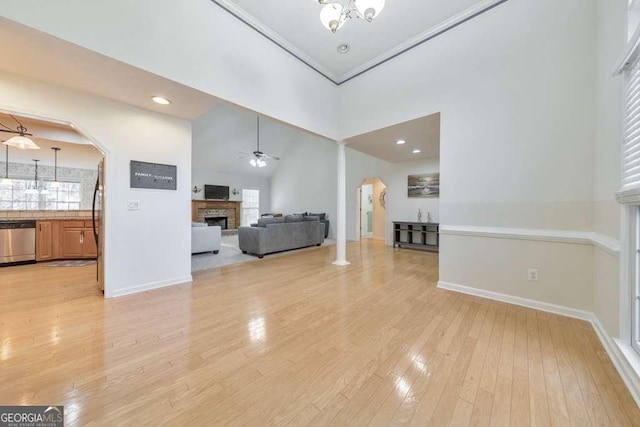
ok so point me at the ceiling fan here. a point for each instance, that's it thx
(258, 159)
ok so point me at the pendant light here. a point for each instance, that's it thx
(34, 188)
(6, 180)
(21, 141)
(55, 183)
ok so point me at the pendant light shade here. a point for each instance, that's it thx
(22, 143)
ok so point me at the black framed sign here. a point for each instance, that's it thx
(153, 176)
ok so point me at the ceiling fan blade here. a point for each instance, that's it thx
(266, 156)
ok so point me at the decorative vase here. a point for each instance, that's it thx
(419, 215)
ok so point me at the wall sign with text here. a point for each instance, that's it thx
(153, 175)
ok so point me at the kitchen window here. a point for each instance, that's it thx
(66, 197)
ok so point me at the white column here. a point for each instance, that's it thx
(341, 226)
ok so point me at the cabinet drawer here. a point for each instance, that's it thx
(72, 224)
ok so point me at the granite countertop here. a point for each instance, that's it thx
(49, 218)
(41, 215)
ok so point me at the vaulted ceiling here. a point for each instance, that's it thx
(295, 26)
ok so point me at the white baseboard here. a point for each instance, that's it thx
(524, 302)
(150, 286)
(628, 371)
(620, 360)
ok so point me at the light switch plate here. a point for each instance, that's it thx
(133, 205)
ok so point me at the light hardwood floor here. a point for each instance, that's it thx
(293, 340)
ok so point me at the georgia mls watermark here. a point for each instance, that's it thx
(31, 416)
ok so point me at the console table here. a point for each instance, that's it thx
(416, 235)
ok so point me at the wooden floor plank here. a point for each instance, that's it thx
(294, 340)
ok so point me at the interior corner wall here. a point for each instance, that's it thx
(610, 43)
(515, 89)
(225, 57)
(149, 247)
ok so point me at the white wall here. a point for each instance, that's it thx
(515, 91)
(610, 42)
(305, 180)
(145, 248)
(197, 44)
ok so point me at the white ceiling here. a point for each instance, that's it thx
(75, 150)
(295, 25)
(42, 57)
(422, 134)
(220, 135)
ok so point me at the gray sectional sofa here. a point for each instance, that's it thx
(271, 235)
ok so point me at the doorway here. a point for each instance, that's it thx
(54, 194)
(373, 213)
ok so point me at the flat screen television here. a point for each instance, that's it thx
(216, 192)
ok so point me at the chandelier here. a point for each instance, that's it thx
(336, 12)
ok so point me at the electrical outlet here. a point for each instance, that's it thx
(133, 205)
(533, 275)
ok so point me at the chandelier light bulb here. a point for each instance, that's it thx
(54, 184)
(370, 9)
(331, 16)
(253, 162)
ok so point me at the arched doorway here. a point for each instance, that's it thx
(372, 209)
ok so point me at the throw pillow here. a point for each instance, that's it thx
(322, 216)
(263, 222)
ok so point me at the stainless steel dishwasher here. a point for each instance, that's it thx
(17, 242)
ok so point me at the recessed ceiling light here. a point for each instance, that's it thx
(416, 151)
(400, 141)
(160, 100)
(343, 48)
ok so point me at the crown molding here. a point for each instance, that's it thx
(275, 38)
(433, 32)
(421, 38)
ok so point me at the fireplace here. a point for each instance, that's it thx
(224, 213)
(220, 221)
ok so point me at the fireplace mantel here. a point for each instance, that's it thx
(200, 209)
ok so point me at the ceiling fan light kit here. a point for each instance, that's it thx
(336, 12)
(258, 156)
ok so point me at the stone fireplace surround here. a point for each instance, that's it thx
(201, 210)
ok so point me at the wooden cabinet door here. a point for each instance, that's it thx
(44, 240)
(72, 243)
(90, 248)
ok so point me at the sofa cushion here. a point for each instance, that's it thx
(263, 222)
(293, 218)
(311, 218)
(321, 216)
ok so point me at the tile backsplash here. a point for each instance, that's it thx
(44, 214)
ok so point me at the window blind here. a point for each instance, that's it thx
(631, 148)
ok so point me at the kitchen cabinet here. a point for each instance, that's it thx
(78, 240)
(44, 240)
(72, 242)
(65, 239)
